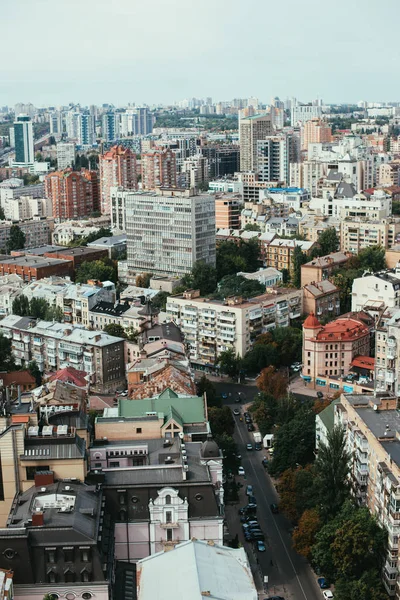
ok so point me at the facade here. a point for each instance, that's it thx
(315, 131)
(322, 298)
(372, 425)
(195, 171)
(301, 113)
(110, 126)
(86, 129)
(65, 155)
(73, 194)
(227, 211)
(158, 169)
(211, 326)
(32, 268)
(273, 158)
(357, 234)
(378, 289)
(370, 207)
(387, 352)
(224, 572)
(268, 277)
(115, 245)
(23, 139)
(168, 231)
(55, 346)
(117, 169)
(328, 350)
(252, 129)
(322, 268)
(279, 252)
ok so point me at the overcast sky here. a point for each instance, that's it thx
(119, 51)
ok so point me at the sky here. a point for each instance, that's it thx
(161, 51)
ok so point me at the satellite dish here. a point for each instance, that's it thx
(375, 407)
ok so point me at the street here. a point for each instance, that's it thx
(289, 575)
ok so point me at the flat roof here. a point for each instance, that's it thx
(32, 261)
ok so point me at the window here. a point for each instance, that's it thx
(114, 464)
(122, 515)
(97, 465)
(51, 556)
(85, 554)
(169, 535)
(167, 499)
(68, 554)
(31, 471)
(168, 516)
(138, 430)
(85, 576)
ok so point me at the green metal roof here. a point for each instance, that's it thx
(327, 415)
(188, 409)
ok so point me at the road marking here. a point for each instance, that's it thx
(273, 519)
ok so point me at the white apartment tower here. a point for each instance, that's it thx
(252, 129)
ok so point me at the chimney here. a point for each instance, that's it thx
(19, 395)
(44, 478)
(37, 519)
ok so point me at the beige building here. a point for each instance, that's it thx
(213, 326)
(279, 252)
(322, 267)
(252, 129)
(372, 424)
(322, 298)
(355, 235)
(389, 174)
(307, 174)
(227, 211)
(315, 131)
(311, 226)
(158, 169)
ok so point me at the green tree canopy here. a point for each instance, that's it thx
(6, 357)
(237, 285)
(372, 258)
(35, 372)
(203, 277)
(229, 363)
(96, 235)
(232, 257)
(101, 270)
(115, 329)
(252, 227)
(207, 386)
(328, 241)
(221, 420)
(20, 306)
(298, 258)
(16, 239)
(160, 300)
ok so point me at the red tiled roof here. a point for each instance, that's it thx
(70, 375)
(17, 378)
(311, 322)
(363, 362)
(100, 402)
(342, 329)
(20, 418)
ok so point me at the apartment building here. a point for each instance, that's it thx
(315, 131)
(378, 289)
(37, 232)
(65, 155)
(68, 231)
(195, 171)
(311, 226)
(252, 129)
(322, 298)
(328, 350)
(273, 158)
(227, 211)
(158, 169)
(279, 252)
(169, 230)
(75, 300)
(301, 113)
(373, 207)
(212, 326)
(389, 174)
(322, 267)
(73, 194)
(32, 268)
(55, 346)
(387, 352)
(357, 234)
(307, 174)
(372, 425)
(117, 169)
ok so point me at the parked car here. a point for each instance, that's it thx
(255, 536)
(241, 471)
(328, 595)
(257, 446)
(320, 395)
(249, 447)
(252, 500)
(248, 419)
(274, 508)
(265, 462)
(249, 490)
(250, 427)
(260, 546)
(323, 583)
(236, 412)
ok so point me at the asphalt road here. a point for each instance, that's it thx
(289, 575)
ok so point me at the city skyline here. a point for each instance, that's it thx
(170, 51)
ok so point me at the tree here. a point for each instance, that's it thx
(297, 491)
(204, 385)
(16, 239)
(329, 241)
(96, 235)
(229, 363)
(2, 214)
(54, 313)
(160, 300)
(6, 358)
(203, 277)
(272, 382)
(304, 536)
(35, 372)
(372, 258)
(221, 420)
(285, 276)
(298, 258)
(259, 357)
(332, 469)
(252, 227)
(234, 257)
(100, 270)
(20, 306)
(368, 587)
(143, 280)
(38, 308)
(237, 285)
(115, 329)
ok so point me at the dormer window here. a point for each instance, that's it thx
(167, 499)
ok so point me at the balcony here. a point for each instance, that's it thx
(389, 378)
(295, 315)
(169, 525)
(390, 353)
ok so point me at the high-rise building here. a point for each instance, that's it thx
(56, 124)
(227, 211)
(117, 169)
(273, 158)
(72, 125)
(65, 155)
(169, 230)
(110, 126)
(73, 194)
(137, 121)
(315, 131)
(195, 171)
(23, 138)
(86, 129)
(158, 169)
(252, 129)
(301, 113)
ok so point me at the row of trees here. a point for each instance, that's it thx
(38, 308)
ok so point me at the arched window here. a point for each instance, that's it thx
(167, 499)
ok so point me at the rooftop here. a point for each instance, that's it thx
(320, 288)
(31, 261)
(346, 328)
(191, 409)
(109, 242)
(330, 260)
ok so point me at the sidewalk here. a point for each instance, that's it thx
(299, 386)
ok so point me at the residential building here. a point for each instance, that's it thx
(110, 126)
(158, 169)
(118, 198)
(195, 171)
(324, 424)
(311, 226)
(117, 169)
(357, 234)
(273, 158)
(69, 231)
(57, 345)
(10, 287)
(392, 256)
(129, 317)
(322, 298)
(315, 131)
(372, 207)
(27, 207)
(329, 349)
(32, 268)
(76, 256)
(227, 211)
(322, 267)
(389, 174)
(268, 277)
(372, 425)
(213, 326)
(282, 226)
(65, 155)
(301, 113)
(56, 123)
(279, 253)
(377, 289)
(148, 377)
(23, 137)
(137, 121)
(226, 186)
(115, 245)
(252, 129)
(307, 175)
(293, 198)
(387, 352)
(86, 129)
(224, 572)
(168, 231)
(78, 560)
(73, 194)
